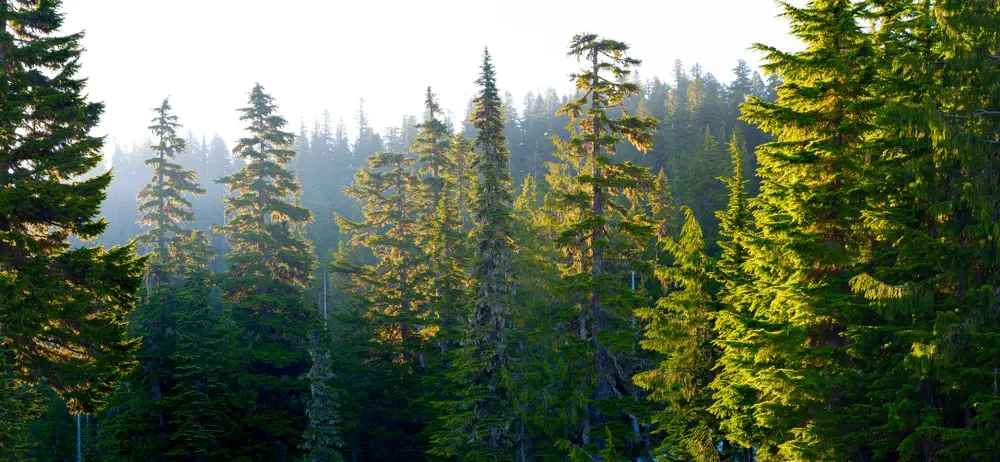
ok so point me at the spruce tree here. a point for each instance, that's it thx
(269, 268)
(601, 236)
(481, 425)
(62, 310)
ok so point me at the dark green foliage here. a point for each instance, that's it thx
(599, 233)
(322, 435)
(269, 268)
(840, 305)
(179, 401)
(62, 311)
(392, 326)
(480, 424)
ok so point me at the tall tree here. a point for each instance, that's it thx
(732, 398)
(393, 290)
(481, 425)
(269, 268)
(163, 205)
(800, 357)
(62, 311)
(601, 225)
(322, 435)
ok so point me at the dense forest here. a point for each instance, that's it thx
(801, 264)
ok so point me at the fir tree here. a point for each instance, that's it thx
(481, 425)
(600, 226)
(163, 207)
(62, 310)
(393, 292)
(322, 436)
(269, 268)
(732, 399)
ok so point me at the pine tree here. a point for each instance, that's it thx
(163, 207)
(481, 425)
(601, 236)
(269, 268)
(62, 310)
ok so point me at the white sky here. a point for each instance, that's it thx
(316, 55)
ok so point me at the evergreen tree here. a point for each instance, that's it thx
(269, 268)
(163, 207)
(481, 426)
(680, 328)
(732, 399)
(393, 293)
(62, 310)
(802, 368)
(322, 437)
(20, 406)
(601, 236)
(430, 149)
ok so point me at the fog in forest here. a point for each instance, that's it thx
(500, 231)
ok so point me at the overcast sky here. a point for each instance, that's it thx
(316, 55)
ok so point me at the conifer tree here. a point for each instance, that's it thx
(481, 425)
(393, 293)
(798, 353)
(269, 268)
(163, 207)
(62, 310)
(732, 399)
(322, 436)
(602, 236)
(431, 151)
(929, 211)
(680, 328)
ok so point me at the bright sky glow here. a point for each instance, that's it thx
(316, 55)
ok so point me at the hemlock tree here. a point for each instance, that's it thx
(322, 436)
(732, 398)
(163, 207)
(62, 311)
(178, 400)
(480, 423)
(803, 370)
(141, 419)
(680, 328)
(269, 269)
(603, 236)
(393, 291)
